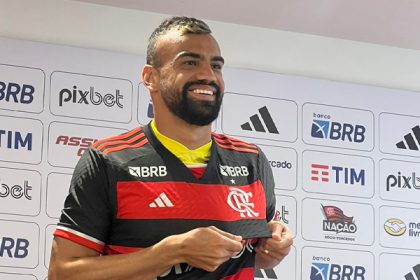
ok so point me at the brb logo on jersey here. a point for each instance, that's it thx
(240, 201)
(148, 171)
(234, 171)
(327, 129)
(327, 271)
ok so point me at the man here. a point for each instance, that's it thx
(158, 202)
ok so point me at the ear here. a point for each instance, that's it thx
(150, 77)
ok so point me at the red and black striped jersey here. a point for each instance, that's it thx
(128, 192)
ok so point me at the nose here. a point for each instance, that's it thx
(206, 72)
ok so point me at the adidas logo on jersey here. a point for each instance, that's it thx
(148, 171)
(162, 201)
(234, 171)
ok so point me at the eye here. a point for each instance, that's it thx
(191, 62)
(217, 66)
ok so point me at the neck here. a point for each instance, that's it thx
(191, 136)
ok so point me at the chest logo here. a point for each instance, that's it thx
(234, 171)
(148, 171)
(240, 201)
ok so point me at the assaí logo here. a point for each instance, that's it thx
(75, 141)
(324, 127)
(90, 96)
(322, 269)
(402, 181)
(336, 221)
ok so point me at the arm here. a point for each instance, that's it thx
(204, 248)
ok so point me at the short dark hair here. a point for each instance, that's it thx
(185, 25)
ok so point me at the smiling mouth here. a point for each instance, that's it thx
(203, 91)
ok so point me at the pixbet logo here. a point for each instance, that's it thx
(327, 271)
(339, 174)
(16, 191)
(281, 215)
(90, 96)
(323, 127)
(14, 248)
(15, 140)
(13, 92)
(75, 141)
(402, 182)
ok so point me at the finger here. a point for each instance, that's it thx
(227, 234)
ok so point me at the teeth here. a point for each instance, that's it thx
(203, 91)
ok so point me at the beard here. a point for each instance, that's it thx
(195, 112)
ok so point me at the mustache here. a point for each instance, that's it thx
(202, 83)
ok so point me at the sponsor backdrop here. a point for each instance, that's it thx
(345, 157)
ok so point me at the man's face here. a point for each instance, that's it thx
(191, 82)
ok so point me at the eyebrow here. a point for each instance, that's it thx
(198, 56)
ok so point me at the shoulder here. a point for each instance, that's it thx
(234, 144)
(135, 138)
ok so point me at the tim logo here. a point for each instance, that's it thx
(14, 248)
(15, 191)
(75, 141)
(326, 271)
(411, 140)
(337, 174)
(233, 171)
(240, 201)
(86, 97)
(395, 227)
(403, 182)
(413, 275)
(13, 92)
(15, 140)
(338, 131)
(262, 122)
(336, 221)
(265, 274)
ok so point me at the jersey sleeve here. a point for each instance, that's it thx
(267, 179)
(86, 216)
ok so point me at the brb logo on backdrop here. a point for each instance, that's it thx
(329, 271)
(337, 174)
(15, 140)
(90, 96)
(17, 93)
(324, 127)
(15, 248)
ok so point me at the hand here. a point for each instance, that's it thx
(207, 248)
(271, 251)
